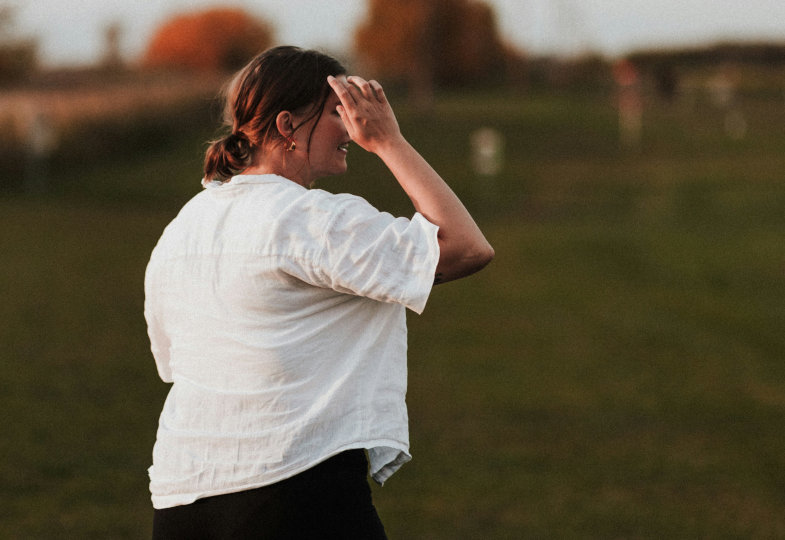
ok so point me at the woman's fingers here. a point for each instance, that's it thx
(364, 111)
(353, 89)
(378, 91)
(370, 90)
(342, 90)
(361, 84)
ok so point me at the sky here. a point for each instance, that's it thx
(71, 32)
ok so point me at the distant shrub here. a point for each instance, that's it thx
(17, 61)
(18, 56)
(134, 133)
(48, 130)
(219, 39)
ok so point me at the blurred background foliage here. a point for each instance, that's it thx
(615, 373)
(18, 56)
(218, 39)
(417, 49)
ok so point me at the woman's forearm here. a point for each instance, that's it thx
(463, 248)
(370, 122)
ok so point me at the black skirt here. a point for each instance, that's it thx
(330, 500)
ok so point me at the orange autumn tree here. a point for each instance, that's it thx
(218, 39)
(431, 42)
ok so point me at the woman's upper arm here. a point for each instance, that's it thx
(374, 254)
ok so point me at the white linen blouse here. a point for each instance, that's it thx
(278, 313)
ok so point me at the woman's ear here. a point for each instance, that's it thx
(283, 122)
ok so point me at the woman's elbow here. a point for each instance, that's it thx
(488, 254)
(465, 262)
(476, 260)
(482, 257)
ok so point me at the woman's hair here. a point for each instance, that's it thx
(279, 79)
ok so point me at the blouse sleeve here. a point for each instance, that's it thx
(373, 254)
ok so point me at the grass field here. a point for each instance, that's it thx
(615, 373)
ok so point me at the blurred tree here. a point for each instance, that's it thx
(432, 42)
(212, 40)
(18, 57)
(392, 43)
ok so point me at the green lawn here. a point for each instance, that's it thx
(615, 373)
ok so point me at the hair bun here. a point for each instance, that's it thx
(238, 145)
(228, 156)
(237, 141)
(237, 136)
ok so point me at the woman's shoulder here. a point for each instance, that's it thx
(338, 199)
(319, 202)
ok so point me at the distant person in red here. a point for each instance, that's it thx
(278, 311)
(630, 103)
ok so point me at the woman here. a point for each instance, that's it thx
(278, 312)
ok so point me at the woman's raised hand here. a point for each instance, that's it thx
(365, 112)
(371, 123)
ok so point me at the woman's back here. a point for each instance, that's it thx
(265, 302)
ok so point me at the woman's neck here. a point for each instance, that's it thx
(282, 163)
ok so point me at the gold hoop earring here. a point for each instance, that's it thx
(292, 145)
